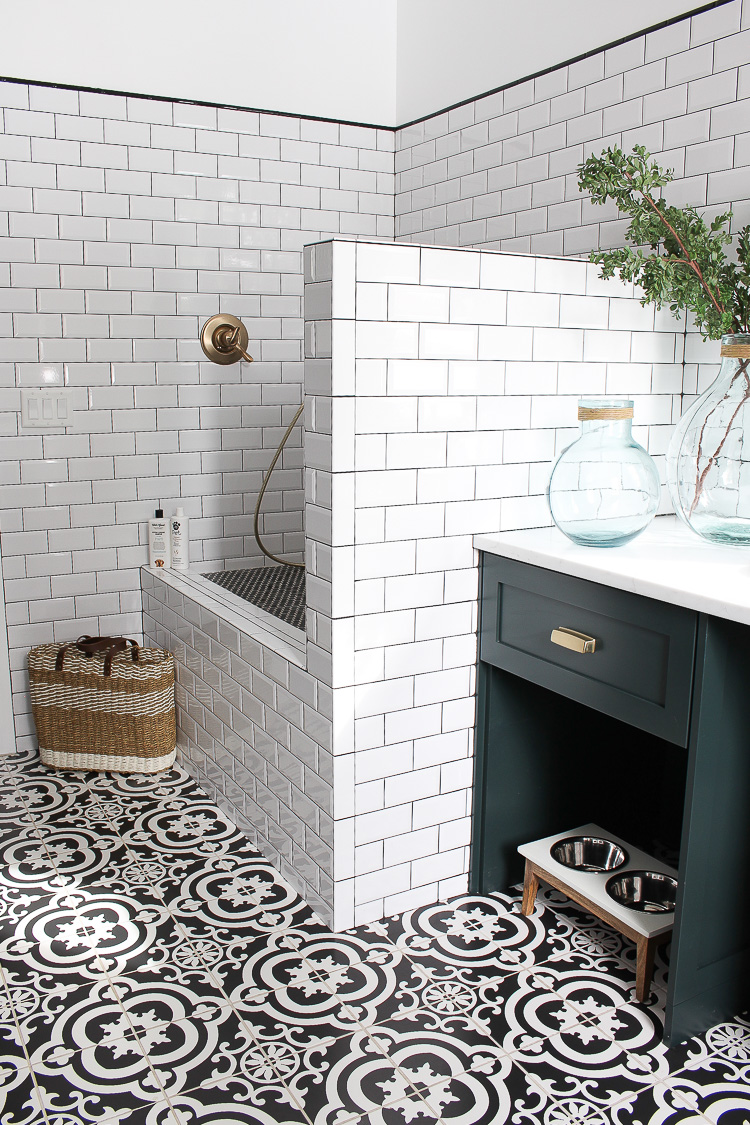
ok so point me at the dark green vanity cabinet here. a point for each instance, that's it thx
(648, 736)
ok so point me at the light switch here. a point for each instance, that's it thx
(46, 408)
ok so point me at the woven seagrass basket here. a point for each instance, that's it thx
(98, 704)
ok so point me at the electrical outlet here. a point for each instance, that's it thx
(45, 408)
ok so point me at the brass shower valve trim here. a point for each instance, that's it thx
(224, 339)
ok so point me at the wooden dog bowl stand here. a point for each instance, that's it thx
(587, 889)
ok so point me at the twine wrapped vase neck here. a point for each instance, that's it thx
(604, 413)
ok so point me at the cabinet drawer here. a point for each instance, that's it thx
(641, 668)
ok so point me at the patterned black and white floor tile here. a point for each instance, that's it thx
(156, 970)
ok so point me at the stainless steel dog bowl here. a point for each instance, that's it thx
(647, 891)
(588, 853)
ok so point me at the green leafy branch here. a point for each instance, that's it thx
(688, 267)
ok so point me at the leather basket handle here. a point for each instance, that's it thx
(91, 646)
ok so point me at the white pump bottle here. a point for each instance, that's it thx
(180, 542)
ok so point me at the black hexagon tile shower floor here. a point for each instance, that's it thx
(156, 970)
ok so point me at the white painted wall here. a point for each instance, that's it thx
(330, 58)
(449, 51)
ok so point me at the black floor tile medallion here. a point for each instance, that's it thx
(156, 970)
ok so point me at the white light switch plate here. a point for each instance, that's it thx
(46, 408)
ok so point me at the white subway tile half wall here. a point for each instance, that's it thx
(254, 729)
(462, 436)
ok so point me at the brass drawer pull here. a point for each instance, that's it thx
(569, 638)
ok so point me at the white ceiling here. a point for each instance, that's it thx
(452, 50)
(321, 58)
(383, 62)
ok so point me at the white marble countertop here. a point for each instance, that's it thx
(667, 562)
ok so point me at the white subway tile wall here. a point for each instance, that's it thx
(500, 172)
(124, 224)
(448, 431)
(255, 730)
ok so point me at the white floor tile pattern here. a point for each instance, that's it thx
(156, 970)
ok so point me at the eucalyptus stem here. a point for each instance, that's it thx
(700, 476)
(686, 260)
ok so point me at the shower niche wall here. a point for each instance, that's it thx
(258, 573)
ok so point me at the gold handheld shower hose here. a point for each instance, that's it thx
(224, 339)
(261, 494)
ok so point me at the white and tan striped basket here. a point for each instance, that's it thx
(85, 719)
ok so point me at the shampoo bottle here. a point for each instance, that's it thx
(158, 540)
(180, 543)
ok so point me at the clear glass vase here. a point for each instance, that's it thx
(604, 488)
(708, 463)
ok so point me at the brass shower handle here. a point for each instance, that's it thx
(227, 339)
(224, 339)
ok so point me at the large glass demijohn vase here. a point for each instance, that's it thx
(708, 460)
(604, 488)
